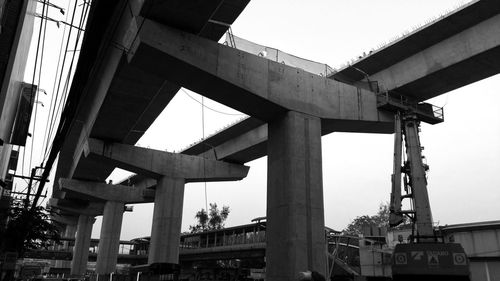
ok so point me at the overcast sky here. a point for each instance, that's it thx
(463, 152)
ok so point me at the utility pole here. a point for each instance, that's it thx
(27, 200)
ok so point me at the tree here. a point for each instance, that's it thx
(27, 229)
(214, 219)
(381, 219)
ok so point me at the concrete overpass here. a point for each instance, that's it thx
(128, 74)
(114, 102)
(432, 60)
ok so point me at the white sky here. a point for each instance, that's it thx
(463, 152)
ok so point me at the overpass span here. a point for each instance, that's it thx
(453, 51)
(121, 86)
(111, 100)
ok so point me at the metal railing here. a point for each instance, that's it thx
(385, 100)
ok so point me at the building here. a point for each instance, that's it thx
(16, 97)
(481, 242)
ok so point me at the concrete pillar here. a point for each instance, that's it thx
(69, 232)
(167, 220)
(295, 215)
(82, 244)
(109, 241)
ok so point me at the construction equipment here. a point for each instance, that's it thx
(426, 256)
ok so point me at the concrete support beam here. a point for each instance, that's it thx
(82, 244)
(69, 233)
(110, 55)
(448, 57)
(88, 208)
(107, 192)
(246, 82)
(167, 220)
(241, 149)
(295, 219)
(109, 241)
(156, 163)
(64, 219)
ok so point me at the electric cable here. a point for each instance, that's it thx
(46, 141)
(203, 138)
(32, 87)
(49, 163)
(65, 90)
(69, 74)
(37, 95)
(214, 110)
(54, 116)
(65, 120)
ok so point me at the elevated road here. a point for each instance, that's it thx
(111, 100)
(125, 107)
(453, 51)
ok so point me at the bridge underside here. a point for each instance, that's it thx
(128, 74)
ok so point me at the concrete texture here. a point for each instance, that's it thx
(241, 149)
(80, 208)
(246, 82)
(435, 59)
(82, 244)
(108, 192)
(263, 89)
(439, 58)
(109, 241)
(94, 95)
(157, 163)
(69, 233)
(167, 220)
(295, 220)
(106, 85)
(465, 45)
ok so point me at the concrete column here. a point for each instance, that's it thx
(167, 220)
(295, 215)
(69, 232)
(82, 244)
(109, 241)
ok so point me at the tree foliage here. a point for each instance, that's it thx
(212, 220)
(28, 229)
(381, 219)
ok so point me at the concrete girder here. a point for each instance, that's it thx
(251, 84)
(233, 148)
(64, 219)
(69, 233)
(295, 214)
(167, 221)
(422, 75)
(95, 92)
(252, 144)
(82, 244)
(89, 209)
(109, 241)
(108, 192)
(157, 164)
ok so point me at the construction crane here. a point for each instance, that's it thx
(426, 256)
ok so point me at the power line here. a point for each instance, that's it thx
(54, 113)
(83, 16)
(39, 79)
(203, 137)
(65, 90)
(46, 141)
(33, 86)
(204, 106)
